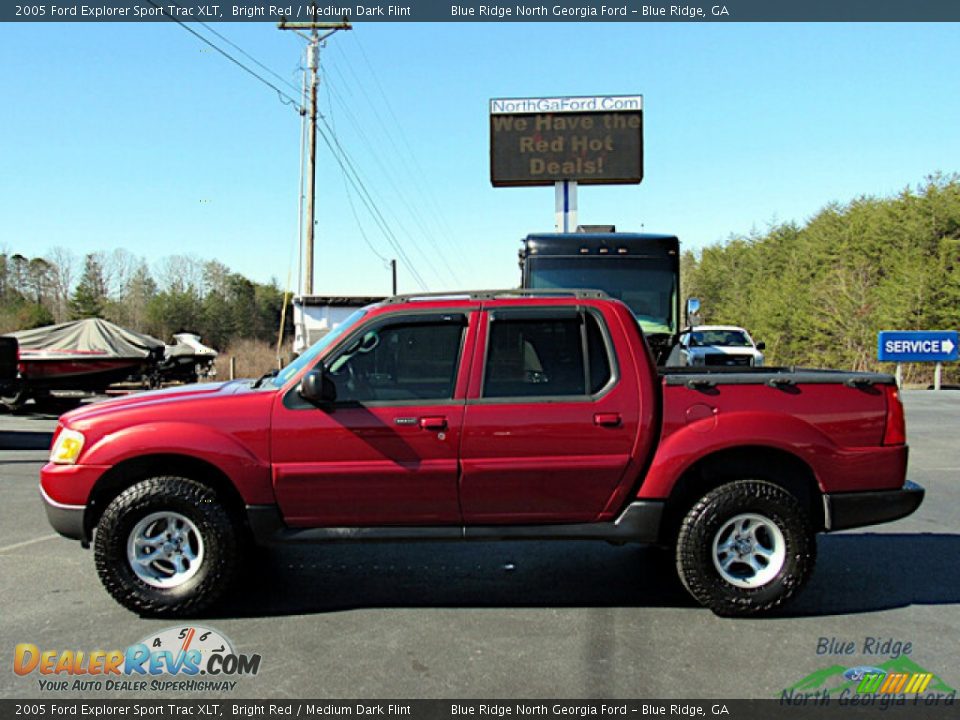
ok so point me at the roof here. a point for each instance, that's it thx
(578, 243)
(611, 238)
(338, 300)
(699, 328)
(508, 294)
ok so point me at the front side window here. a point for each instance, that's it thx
(545, 357)
(314, 351)
(404, 360)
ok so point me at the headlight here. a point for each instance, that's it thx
(66, 449)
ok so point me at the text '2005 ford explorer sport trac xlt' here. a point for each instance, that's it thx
(487, 416)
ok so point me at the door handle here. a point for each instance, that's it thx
(433, 422)
(607, 419)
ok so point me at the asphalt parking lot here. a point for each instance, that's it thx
(523, 620)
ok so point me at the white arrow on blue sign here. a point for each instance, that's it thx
(918, 346)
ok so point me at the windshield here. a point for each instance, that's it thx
(647, 285)
(310, 355)
(729, 338)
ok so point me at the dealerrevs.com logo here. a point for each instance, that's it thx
(186, 659)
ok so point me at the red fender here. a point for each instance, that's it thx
(836, 469)
(248, 473)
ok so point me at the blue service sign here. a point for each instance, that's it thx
(917, 346)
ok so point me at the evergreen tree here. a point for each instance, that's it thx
(90, 296)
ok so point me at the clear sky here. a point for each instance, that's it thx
(138, 136)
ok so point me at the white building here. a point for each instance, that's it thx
(316, 315)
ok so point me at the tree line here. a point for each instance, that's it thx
(180, 293)
(818, 293)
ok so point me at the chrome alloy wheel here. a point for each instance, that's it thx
(749, 550)
(165, 549)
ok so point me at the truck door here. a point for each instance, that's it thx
(386, 452)
(551, 418)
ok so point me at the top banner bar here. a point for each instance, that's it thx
(485, 11)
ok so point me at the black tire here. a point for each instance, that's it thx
(15, 396)
(214, 525)
(713, 514)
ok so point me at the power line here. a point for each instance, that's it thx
(346, 186)
(420, 187)
(252, 59)
(335, 147)
(389, 174)
(345, 163)
(388, 129)
(284, 98)
(347, 167)
(425, 256)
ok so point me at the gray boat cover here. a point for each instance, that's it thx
(94, 336)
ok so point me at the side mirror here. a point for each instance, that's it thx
(693, 311)
(761, 346)
(317, 387)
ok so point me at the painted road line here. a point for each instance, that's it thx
(27, 542)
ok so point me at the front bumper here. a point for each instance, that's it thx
(65, 519)
(856, 509)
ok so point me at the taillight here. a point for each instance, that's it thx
(895, 432)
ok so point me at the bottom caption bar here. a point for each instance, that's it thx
(863, 706)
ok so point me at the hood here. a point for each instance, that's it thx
(157, 399)
(723, 350)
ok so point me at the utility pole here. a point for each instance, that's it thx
(393, 272)
(313, 63)
(313, 58)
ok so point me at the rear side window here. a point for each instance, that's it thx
(545, 357)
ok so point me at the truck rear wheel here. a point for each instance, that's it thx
(166, 546)
(745, 548)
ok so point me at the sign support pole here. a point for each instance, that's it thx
(899, 376)
(565, 215)
(937, 373)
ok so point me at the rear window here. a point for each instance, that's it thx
(545, 357)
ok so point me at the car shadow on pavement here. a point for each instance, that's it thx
(25, 440)
(329, 578)
(856, 573)
(870, 572)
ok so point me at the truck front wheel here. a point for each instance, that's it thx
(745, 548)
(166, 546)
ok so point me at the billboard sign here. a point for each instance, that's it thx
(541, 141)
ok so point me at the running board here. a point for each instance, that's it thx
(639, 522)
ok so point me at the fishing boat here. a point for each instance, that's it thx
(84, 355)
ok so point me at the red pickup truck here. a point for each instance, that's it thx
(487, 416)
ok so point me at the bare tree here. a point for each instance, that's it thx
(118, 267)
(180, 273)
(18, 273)
(63, 270)
(39, 273)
